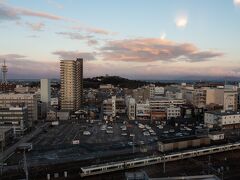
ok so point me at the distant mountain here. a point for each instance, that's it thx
(117, 81)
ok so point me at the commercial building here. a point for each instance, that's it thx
(16, 118)
(230, 100)
(120, 106)
(173, 112)
(109, 107)
(158, 92)
(25, 89)
(161, 104)
(54, 102)
(28, 100)
(131, 108)
(71, 74)
(158, 115)
(51, 115)
(141, 94)
(6, 87)
(214, 96)
(223, 119)
(143, 111)
(196, 97)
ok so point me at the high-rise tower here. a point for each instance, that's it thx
(4, 72)
(71, 74)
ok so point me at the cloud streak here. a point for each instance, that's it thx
(78, 36)
(93, 30)
(8, 13)
(36, 26)
(14, 13)
(74, 55)
(153, 49)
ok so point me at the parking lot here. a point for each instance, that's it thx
(72, 140)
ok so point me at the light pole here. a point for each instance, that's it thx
(164, 165)
(133, 146)
(25, 163)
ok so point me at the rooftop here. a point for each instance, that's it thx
(223, 113)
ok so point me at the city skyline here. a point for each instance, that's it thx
(136, 40)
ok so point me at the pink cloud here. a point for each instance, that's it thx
(154, 49)
(13, 13)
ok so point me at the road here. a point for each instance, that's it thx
(8, 152)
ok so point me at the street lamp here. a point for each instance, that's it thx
(133, 146)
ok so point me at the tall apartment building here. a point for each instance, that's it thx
(28, 100)
(71, 74)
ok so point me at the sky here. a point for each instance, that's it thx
(136, 39)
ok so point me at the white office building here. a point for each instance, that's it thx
(131, 108)
(143, 111)
(173, 112)
(227, 119)
(45, 91)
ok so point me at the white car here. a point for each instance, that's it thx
(109, 132)
(141, 126)
(86, 133)
(124, 134)
(146, 133)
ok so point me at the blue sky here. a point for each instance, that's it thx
(138, 39)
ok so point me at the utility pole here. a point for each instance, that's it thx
(2, 158)
(209, 163)
(164, 165)
(25, 163)
(133, 146)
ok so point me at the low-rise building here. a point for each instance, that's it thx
(63, 115)
(106, 86)
(182, 143)
(230, 100)
(173, 112)
(16, 118)
(158, 116)
(54, 102)
(161, 104)
(143, 111)
(28, 100)
(223, 119)
(109, 107)
(216, 136)
(6, 87)
(196, 97)
(51, 115)
(120, 106)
